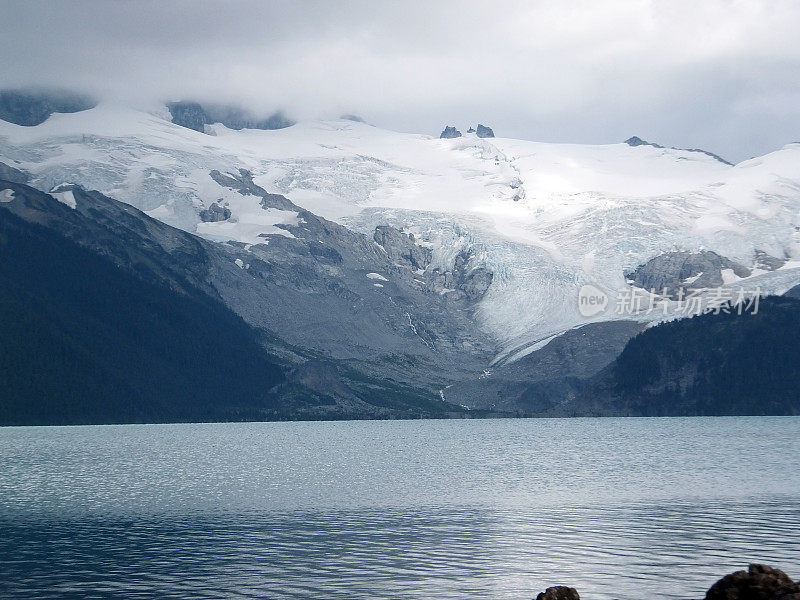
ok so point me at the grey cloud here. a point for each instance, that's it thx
(717, 74)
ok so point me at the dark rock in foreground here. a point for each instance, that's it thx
(450, 133)
(759, 582)
(559, 592)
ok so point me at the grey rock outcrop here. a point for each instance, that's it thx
(484, 132)
(402, 247)
(671, 271)
(234, 117)
(243, 183)
(759, 582)
(637, 141)
(188, 114)
(471, 130)
(450, 133)
(707, 153)
(9, 173)
(559, 592)
(461, 282)
(196, 116)
(30, 108)
(768, 262)
(215, 213)
(322, 269)
(477, 283)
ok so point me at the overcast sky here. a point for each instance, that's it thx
(720, 75)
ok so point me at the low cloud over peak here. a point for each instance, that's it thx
(719, 75)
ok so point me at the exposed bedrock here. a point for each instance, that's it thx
(637, 141)
(768, 262)
(463, 281)
(243, 183)
(685, 270)
(188, 114)
(449, 133)
(33, 107)
(196, 116)
(9, 173)
(484, 132)
(215, 213)
(402, 247)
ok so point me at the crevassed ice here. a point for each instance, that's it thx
(545, 218)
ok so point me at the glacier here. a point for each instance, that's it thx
(544, 218)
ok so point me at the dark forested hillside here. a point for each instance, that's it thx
(724, 364)
(108, 316)
(83, 341)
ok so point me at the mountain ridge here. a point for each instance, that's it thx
(543, 218)
(449, 268)
(86, 315)
(118, 253)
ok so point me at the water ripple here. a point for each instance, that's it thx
(624, 509)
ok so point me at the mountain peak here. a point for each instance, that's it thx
(484, 132)
(637, 141)
(450, 132)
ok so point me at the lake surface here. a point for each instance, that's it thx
(496, 509)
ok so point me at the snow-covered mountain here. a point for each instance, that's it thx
(544, 219)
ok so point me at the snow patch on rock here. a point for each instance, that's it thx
(65, 196)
